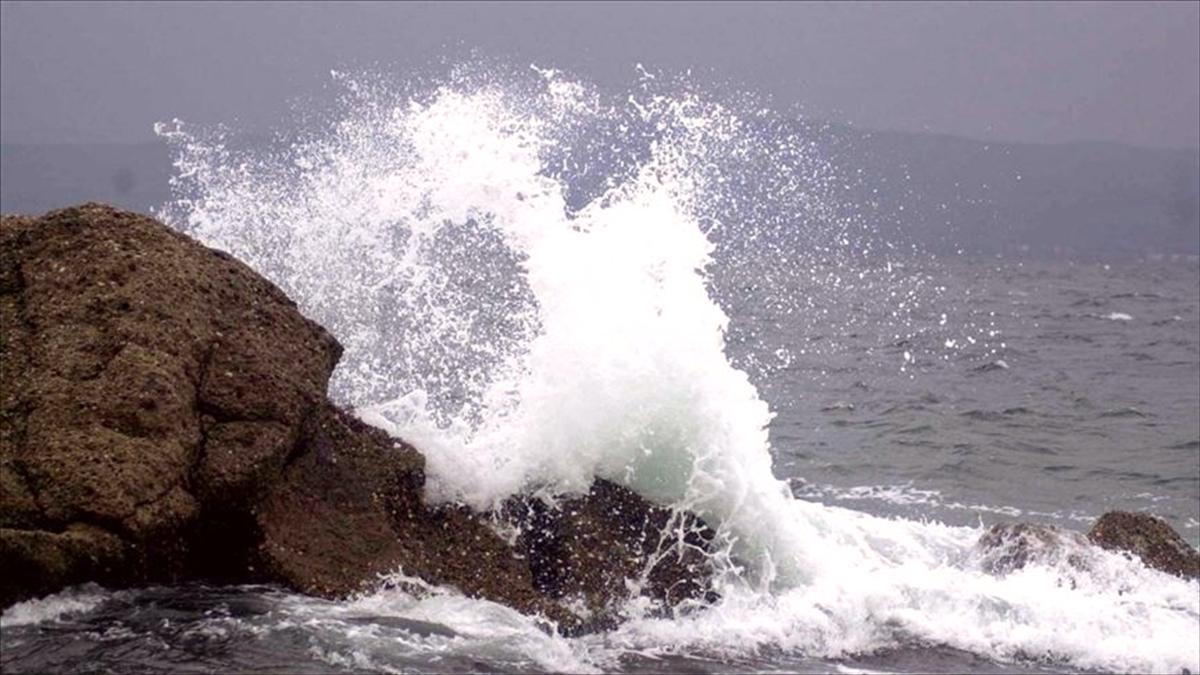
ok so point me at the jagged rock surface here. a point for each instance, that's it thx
(163, 417)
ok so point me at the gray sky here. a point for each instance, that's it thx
(1028, 72)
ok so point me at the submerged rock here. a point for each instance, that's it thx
(1149, 538)
(1007, 547)
(163, 417)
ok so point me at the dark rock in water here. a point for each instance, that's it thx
(1007, 547)
(1149, 538)
(40, 561)
(163, 417)
(598, 550)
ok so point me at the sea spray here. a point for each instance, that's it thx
(522, 270)
(606, 357)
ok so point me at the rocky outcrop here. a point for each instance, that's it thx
(163, 416)
(1007, 547)
(137, 363)
(1149, 538)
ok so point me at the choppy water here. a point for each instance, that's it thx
(257, 629)
(1084, 401)
(538, 283)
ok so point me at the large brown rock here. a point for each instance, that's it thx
(163, 416)
(135, 363)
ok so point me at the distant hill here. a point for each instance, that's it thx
(1074, 200)
(944, 194)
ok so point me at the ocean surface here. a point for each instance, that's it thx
(1084, 399)
(538, 284)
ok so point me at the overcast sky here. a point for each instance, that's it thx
(1026, 71)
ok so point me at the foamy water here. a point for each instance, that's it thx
(521, 271)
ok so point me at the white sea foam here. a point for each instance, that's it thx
(436, 620)
(520, 270)
(53, 607)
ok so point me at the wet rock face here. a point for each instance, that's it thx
(163, 417)
(1148, 538)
